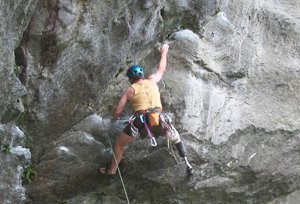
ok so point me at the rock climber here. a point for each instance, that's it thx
(144, 95)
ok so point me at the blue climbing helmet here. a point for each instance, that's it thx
(135, 72)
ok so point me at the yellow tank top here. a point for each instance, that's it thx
(146, 95)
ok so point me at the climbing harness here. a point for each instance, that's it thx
(135, 130)
(119, 172)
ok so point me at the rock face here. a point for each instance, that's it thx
(231, 86)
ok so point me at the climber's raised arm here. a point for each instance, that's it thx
(156, 77)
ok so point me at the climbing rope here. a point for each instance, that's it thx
(171, 150)
(119, 172)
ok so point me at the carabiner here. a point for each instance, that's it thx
(142, 118)
(153, 142)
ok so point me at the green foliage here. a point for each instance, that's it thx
(17, 70)
(128, 62)
(119, 71)
(218, 10)
(28, 174)
(5, 148)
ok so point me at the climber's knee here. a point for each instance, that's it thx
(173, 135)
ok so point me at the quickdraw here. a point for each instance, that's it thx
(134, 130)
(152, 139)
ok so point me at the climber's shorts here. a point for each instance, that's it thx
(137, 128)
(138, 125)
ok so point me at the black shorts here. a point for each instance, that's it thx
(156, 131)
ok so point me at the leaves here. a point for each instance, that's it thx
(28, 174)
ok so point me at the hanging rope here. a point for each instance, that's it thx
(119, 172)
(171, 150)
